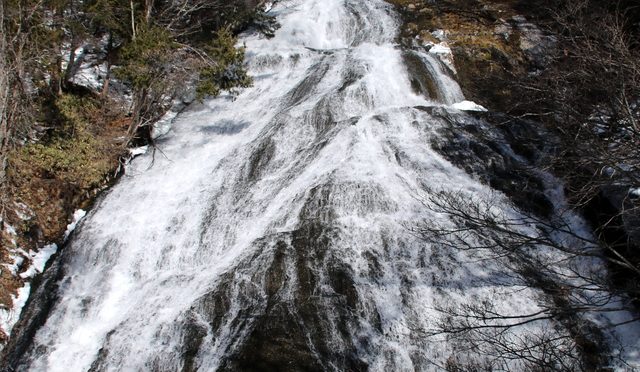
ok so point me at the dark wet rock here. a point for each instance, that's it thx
(616, 218)
(421, 78)
(484, 74)
(536, 45)
(103, 353)
(321, 117)
(299, 310)
(226, 127)
(298, 335)
(194, 334)
(259, 159)
(315, 75)
(505, 162)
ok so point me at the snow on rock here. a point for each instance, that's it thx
(504, 29)
(533, 42)
(9, 229)
(439, 34)
(79, 215)
(468, 106)
(23, 211)
(138, 151)
(9, 317)
(163, 126)
(444, 53)
(88, 71)
(441, 49)
(39, 260)
(91, 75)
(15, 266)
(134, 153)
(634, 193)
(268, 5)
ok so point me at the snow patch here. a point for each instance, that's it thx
(439, 34)
(444, 53)
(77, 216)
(9, 317)
(15, 266)
(138, 151)
(91, 76)
(468, 106)
(23, 211)
(163, 126)
(10, 229)
(268, 6)
(39, 260)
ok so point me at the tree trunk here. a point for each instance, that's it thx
(133, 20)
(4, 95)
(69, 71)
(139, 107)
(107, 77)
(148, 5)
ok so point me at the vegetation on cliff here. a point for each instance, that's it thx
(82, 80)
(561, 81)
(569, 67)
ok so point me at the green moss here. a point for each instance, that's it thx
(73, 112)
(74, 161)
(72, 153)
(485, 59)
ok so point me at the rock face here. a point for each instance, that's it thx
(616, 215)
(536, 45)
(496, 46)
(505, 159)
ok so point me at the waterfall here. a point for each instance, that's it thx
(274, 230)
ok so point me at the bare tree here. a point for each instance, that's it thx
(4, 94)
(590, 94)
(550, 255)
(19, 25)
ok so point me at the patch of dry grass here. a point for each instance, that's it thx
(53, 177)
(484, 42)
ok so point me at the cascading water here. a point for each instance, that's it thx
(275, 230)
